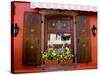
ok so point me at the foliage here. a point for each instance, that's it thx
(52, 55)
(59, 57)
(45, 55)
(67, 54)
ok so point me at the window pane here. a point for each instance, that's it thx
(58, 40)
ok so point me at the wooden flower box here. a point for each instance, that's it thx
(65, 62)
(70, 61)
(61, 62)
(52, 62)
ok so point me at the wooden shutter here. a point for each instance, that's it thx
(31, 41)
(83, 39)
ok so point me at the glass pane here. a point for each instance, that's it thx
(58, 41)
(59, 25)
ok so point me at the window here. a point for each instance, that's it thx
(59, 33)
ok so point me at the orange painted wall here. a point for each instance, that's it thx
(18, 40)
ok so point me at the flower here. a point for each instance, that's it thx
(45, 55)
(59, 57)
(54, 52)
(52, 55)
(67, 54)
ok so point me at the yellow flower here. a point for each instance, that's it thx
(54, 52)
(61, 56)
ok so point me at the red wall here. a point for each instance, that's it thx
(92, 21)
(93, 41)
(18, 41)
